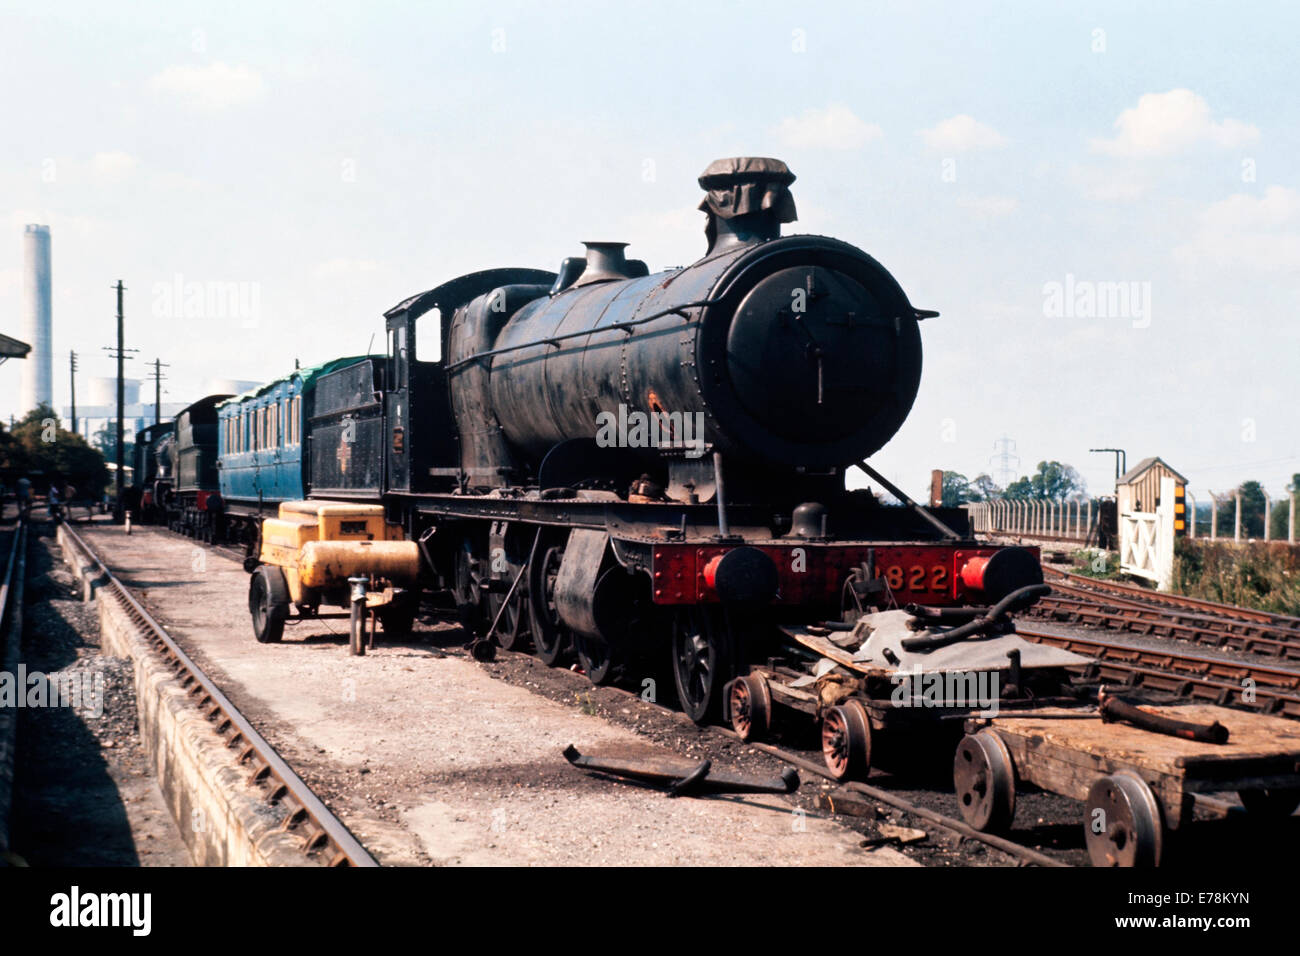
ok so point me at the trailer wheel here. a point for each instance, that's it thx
(1122, 824)
(268, 603)
(1270, 804)
(846, 740)
(750, 707)
(985, 780)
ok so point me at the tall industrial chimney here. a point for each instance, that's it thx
(38, 369)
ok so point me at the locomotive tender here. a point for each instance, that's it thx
(502, 433)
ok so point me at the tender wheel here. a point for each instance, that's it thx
(268, 603)
(985, 780)
(750, 707)
(1270, 804)
(846, 740)
(1122, 823)
(699, 657)
(550, 635)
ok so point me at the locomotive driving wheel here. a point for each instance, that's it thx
(699, 656)
(1122, 822)
(750, 706)
(511, 633)
(550, 635)
(846, 740)
(984, 778)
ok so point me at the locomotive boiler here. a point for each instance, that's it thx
(797, 355)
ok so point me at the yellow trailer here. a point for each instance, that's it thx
(336, 553)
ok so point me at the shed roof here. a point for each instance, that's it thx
(12, 348)
(1145, 465)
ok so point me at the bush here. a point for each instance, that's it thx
(1265, 577)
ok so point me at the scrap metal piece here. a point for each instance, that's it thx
(1118, 709)
(668, 773)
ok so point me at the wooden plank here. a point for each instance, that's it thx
(1250, 737)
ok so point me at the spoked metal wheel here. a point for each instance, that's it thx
(700, 663)
(846, 740)
(512, 631)
(1271, 804)
(750, 706)
(596, 658)
(985, 780)
(1122, 822)
(550, 635)
(468, 590)
(268, 603)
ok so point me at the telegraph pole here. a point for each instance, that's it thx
(158, 366)
(120, 352)
(72, 371)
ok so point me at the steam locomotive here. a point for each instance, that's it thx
(635, 469)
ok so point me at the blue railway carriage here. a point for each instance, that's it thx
(262, 442)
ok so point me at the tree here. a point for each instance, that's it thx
(40, 448)
(106, 441)
(1053, 481)
(1252, 511)
(985, 488)
(1282, 511)
(956, 489)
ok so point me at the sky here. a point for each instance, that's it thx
(1102, 203)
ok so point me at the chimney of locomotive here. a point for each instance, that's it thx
(605, 261)
(747, 198)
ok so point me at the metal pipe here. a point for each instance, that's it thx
(719, 494)
(893, 490)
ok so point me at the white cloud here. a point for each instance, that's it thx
(960, 133)
(343, 268)
(992, 206)
(1254, 233)
(835, 127)
(112, 167)
(1110, 184)
(1164, 123)
(212, 87)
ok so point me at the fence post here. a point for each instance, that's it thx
(1236, 521)
(1268, 516)
(1214, 516)
(1290, 520)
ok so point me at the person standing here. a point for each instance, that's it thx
(24, 496)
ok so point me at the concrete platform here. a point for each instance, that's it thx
(429, 760)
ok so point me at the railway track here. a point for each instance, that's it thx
(1132, 593)
(11, 630)
(1252, 686)
(323, 835)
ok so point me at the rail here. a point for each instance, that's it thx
(11, 632)
(305, 814)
